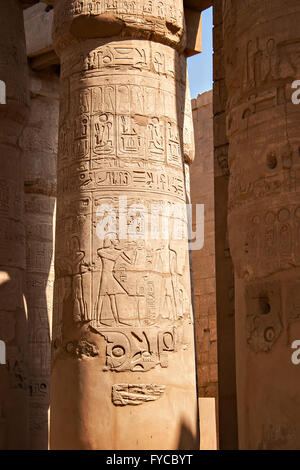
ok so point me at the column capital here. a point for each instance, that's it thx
(76, 21)
(198, 5)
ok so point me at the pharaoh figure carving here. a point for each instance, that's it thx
(123, 312)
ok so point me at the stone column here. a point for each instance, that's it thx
(202, 191)
(123, 373)
(203, 265)
(39, 144)
(13, 321)
(262, 60)
(224, 265)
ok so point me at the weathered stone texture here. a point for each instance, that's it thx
(262, 61)
(13, 321)
(203, 267)
(224, 267)
(39, 145)
(38, 30)
(122, 312)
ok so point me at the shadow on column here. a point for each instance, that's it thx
(187, 440)
(39, 143)
(13, 317)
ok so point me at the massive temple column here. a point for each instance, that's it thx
(13, 321)
(202, 187)
(123, 365)
(223, 265)
(262, 61)
(39, 144)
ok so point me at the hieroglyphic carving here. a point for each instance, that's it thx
(123, 287)
(292, 304)
(132, 57)
(267, 71)
(140, 349)
(82, 348)
(129, 110)
(93, 7)
(268, 241)
(72, 272)
(140, 291)
(260, 66)
(13, 315)
(136, 394)
(125, 265)
(39, 340)
(110, 286)
(17, 369)
(264, 315)
(138, 18)
(138, 12)
(120, 177)
(113, 57)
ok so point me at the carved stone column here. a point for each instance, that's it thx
(39, 144)
(13, 321)
(262, 60)
(224, 265)
(123, 372)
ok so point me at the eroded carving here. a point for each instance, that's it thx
(140, 349)
(264, 314)
(136, 394)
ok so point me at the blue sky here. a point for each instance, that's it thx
(200, 65)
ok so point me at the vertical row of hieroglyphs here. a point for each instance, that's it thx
(122, 326)
(13, 322)
(261, 61)
(39, 145)
(224, 266)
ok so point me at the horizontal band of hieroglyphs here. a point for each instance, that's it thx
(10, 199)
(150, 180)
(74, 207)
(123, 99)
(134, 55)
(168, 10)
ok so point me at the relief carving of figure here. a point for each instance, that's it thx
(103, 129)
(165, 263)
(109, 286)
(76, 257)
(156, 143)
